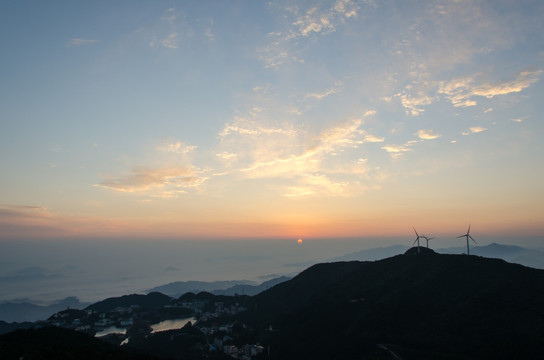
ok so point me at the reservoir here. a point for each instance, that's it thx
(111, 330)
(171, 324)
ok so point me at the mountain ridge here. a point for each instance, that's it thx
(423, 302)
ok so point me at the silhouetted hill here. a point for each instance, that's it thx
(372, 254)
(515, 254)
(58, 343)
(26, 311)
(430, 304)
(178, 288)
(241, 289)
(8, 327)
(150, 301)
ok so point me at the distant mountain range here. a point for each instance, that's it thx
(26, 311)
(514, 254)
(234, 287)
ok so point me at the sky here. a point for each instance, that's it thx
(283, 119)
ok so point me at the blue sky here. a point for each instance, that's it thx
(270, 119)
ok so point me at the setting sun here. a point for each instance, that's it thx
(299, 241)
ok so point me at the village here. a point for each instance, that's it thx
(202, 319)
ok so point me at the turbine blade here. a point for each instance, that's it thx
(414, 242)
(460, 236)
(471, 238)
(415, 230)
(468, 231)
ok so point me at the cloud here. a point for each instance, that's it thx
(166, 34)
(518, 120)
(226, 155)
(176, 147)
(166, 181)
(427, 134)
(209, 34)
(170, 41)
(27, 221)
(474, 130)
(461, 91)
(414, 103)
(77, 42)
(288, 153)
(333, 90)
(251, 128)
(316, 20)
(397, 151)
(317, 184)
(373, 139)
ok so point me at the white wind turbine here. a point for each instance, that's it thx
(417, 239)
(427, 238)
(467, 235)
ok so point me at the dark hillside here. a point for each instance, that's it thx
(52, 343)
(436, 304)
(150, 301)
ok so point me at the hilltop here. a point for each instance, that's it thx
(433, 304)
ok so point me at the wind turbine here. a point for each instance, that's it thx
(467, 235)
(427, 238)
(417, 239)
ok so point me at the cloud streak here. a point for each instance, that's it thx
(462, 91)
(176, 147)
(166, 182)
(397, 151)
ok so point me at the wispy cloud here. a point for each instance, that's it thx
(166, 182)
(474, 130)
(427, 134)
(317, 185)
(76, 42)
(310, 164)
(373, 139)
(166, 35)
(320, 95)
(315, 20)
(27, 220)
(329, 142)
(170, 41)
(461, 91)
(248, 127)
(415, 103)
(397, 151)
(226, 155)
(176, 147)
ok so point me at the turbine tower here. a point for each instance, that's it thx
(417, 239)
(427, 238)
(467, 235)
